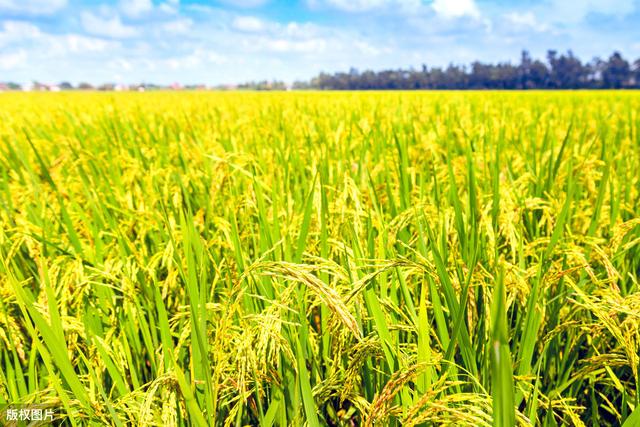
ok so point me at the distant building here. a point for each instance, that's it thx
(7, 86)
(41, 87)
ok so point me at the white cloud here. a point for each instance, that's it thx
(21, 43)
(576, 10)
(135, 8)
(248, 24)
(196, 58)
(120, 64)
(554, 15)
(280, 45)
(141, 8)
(259, 40)
(32, 7)
(456, 8)
(367, 5)
(81, 44)
(526, 20)
(244, 3)
(107, 27)
(368, 49)
(25, 34)
(301, 29)
(12, 60)
(357, 5)
(170, 6)
(17, 31)
(179, 26)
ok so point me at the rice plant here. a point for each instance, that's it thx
(341, 259)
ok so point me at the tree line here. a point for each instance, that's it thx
(559, 71)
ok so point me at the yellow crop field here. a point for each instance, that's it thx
(321, 258)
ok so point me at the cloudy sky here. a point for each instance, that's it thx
(230, 41)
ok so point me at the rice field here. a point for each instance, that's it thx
(340, 259)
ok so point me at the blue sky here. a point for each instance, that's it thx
(227, 41)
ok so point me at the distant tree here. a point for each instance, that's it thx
(567, 72)
(593, 73)
(455, 77)
(480, 76)
(561, 71)
(525, 70)
(66, 86)
(263, 85)
(508, 76)
(552, 59)
(299, 84)
(616, 72)
(539, 75)
(85, 86)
